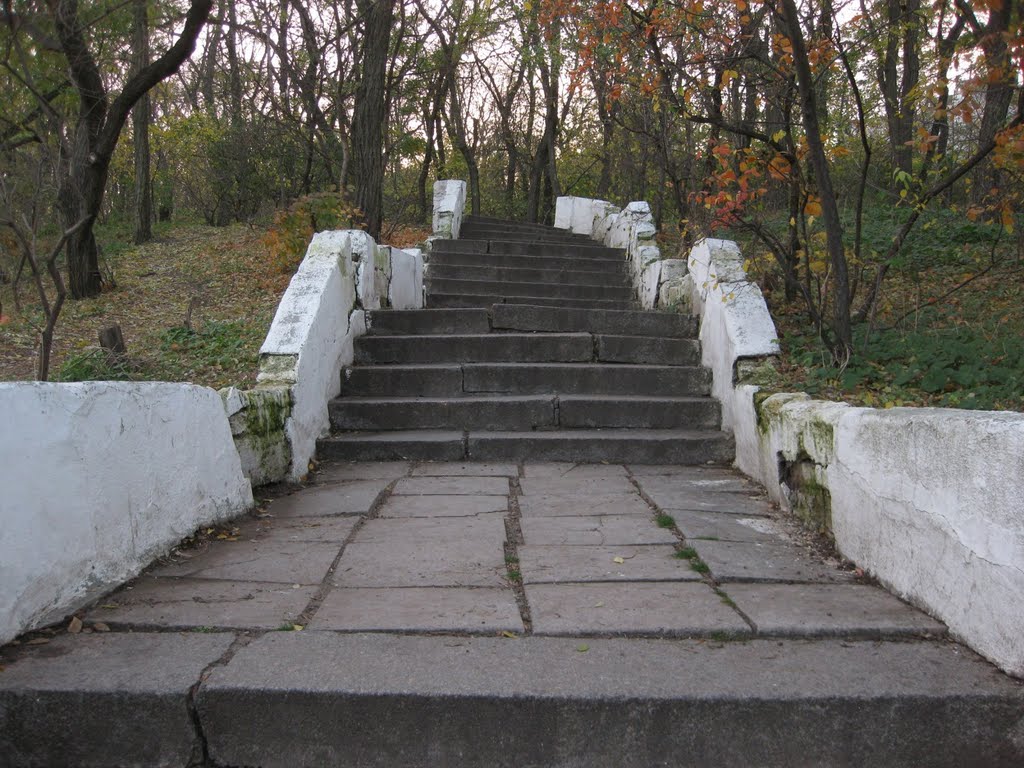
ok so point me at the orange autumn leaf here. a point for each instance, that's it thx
(812, 207)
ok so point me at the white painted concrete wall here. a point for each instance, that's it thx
(632, 229)
(928, 501)
(735, 323)
(449, 205)
(321, 314)
(406, 288)
(97, 479)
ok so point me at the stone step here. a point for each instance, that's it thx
(481, 259)
(511, 288)
(487, 300)
(523, 412)
(525, 347)
(606, 703)
(554, 319)
(597, 411)
(453, 379)
(625, 446)
(620, 446)
(457, 246)
(236, 696)
(517, 235)
(523, 226)
(416, 445)
(471, 225)
(450, 413)
(506, 347)
(591, 252)
(428, 321)
(569, 250)
(524, 275)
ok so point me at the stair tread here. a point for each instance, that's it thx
(507, 364)
(471, 397)
(548, 434)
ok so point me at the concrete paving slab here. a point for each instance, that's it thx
(664, 609)
(354, 497)
(409, 564)
(568, 504)
(203, 603)
(105, 699)
(442, 506)
(709, 501)
(568, 469)
(621, 703)
(341, 471)
(822, 610)
(706, 481)
(764, 561)
(554, 565)
(452, 486)
(594, 531)
(420, 609)
(434, 531)
(725, 527)
(292, 529)
(682, 472)
(465, 469)
(538, 486)
(285, 562)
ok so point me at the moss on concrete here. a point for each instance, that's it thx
(277, 369)
(760, 371)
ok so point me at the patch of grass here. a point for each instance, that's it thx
(514, 575)
(725, 598)
(665, 521)
(696, 564)
(721, 637)
(92, 365)
(699, 566)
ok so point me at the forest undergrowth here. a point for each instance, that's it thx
(948, 331)
(194, 305)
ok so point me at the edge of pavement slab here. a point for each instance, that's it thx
(416, 701)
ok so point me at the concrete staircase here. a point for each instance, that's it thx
(530, 349)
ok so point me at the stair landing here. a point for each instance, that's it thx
(528, 614)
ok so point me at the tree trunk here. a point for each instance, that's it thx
(459, 135)
(842, 344)
(998, 92)
(898, 75)
(141, 113)
(369, 113)
(85, 161)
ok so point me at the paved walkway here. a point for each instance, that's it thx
(585, 616)
(547, 549)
